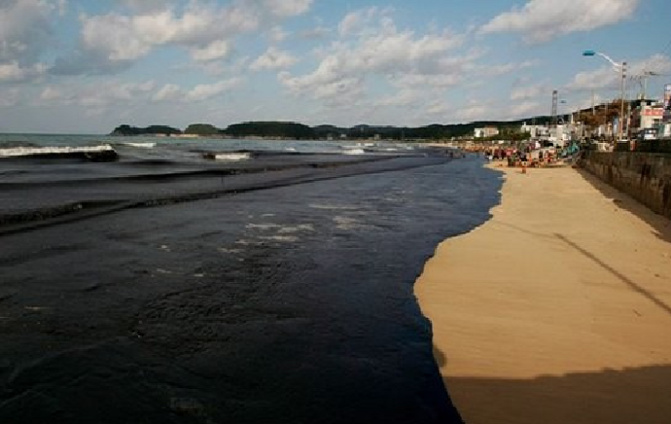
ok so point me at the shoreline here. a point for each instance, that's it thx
(557, 309)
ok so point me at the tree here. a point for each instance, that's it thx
(202, 129)
(271, 129)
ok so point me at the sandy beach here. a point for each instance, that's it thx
(558, 309)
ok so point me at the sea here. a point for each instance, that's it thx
(174, 280)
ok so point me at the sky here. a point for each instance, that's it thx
(84, 66)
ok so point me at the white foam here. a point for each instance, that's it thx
(334, 207)
(31, 151)
(297, 229)
(262, 227)
(283, 239)
(355, 152)
(346, 223)
(232, 157)
(140, 145)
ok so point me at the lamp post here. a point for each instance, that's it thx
(622, 69)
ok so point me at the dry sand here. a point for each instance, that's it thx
(558, 309)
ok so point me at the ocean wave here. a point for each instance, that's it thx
(140, 145)
(64, 151)
(228, 156)
(354, 152)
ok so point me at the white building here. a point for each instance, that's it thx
(536, 131)
(486, 132)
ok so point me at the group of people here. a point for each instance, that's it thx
(527, 156)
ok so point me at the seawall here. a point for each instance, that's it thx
(644, 176)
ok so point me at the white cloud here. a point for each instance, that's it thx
(433, 81)
(167, 93)
(472, 112)
(606, 77)
(402, 98)
(657, 64)
(10, 97)
(205, 29)
(438, 107)
(201, 29)
(101, 94)
(597, 79)
(50, 94)
(287, 8)
(114, 41)
(273, 59)
(112, 92)
(62, 7)
(201, 92)
(361, 21)
(13, 72)
(25, 29)
(206, 91)
(146, 5)
(216, 50)
(277, 34)
(527, 92)
(543, 20)
(351, 22)
(526, 108)
(504, 68)
(316, 33)
(383, 51)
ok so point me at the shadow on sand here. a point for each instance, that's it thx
(661, 225)
(632, 395)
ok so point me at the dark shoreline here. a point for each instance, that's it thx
(287, 304)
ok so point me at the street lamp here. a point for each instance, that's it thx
(622, 69)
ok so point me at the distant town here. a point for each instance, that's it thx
(644, 120)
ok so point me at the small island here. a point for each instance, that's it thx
(127, 131)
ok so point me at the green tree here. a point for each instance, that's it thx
(202, 129)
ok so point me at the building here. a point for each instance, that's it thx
(485, 132)
(536, 131)
(645, 114)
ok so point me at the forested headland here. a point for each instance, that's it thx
(294, 130)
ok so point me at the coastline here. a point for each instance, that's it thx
(171, 292)
(558, 308)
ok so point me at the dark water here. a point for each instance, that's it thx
(278, 293)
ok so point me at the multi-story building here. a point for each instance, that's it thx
(645, 114)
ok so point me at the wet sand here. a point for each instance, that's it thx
(556, 310)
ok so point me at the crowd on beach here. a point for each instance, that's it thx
(531, 155)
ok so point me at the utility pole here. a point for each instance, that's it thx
(555, 98)
(622, 68)
(605, 120)
(623, 73)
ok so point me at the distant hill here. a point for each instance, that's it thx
(127, 130)
(294, 130)
(291, 130)
(202, 129)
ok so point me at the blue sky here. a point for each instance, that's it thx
(80, 66)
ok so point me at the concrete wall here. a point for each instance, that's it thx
(644, 176)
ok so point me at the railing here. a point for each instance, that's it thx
(654, 146)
